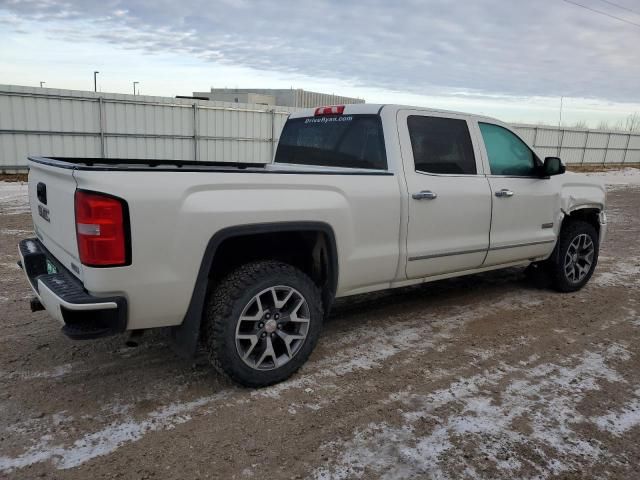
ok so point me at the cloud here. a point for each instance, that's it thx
(544, 48)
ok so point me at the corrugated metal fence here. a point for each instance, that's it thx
(68, 123)
(44, 121)
(578, 146)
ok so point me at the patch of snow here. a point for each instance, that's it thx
(15, 231)
(633, 317)
(14, 198)
(55, 372)
(10, 265)
(107, 440)
(621, 273)
(622, 421)
(625, 176)
(546, 396)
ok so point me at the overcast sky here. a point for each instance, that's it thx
(508, 58)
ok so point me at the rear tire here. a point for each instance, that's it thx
(575, 257)
(262, 322)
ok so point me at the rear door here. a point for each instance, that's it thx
(51, 197)
(526, 207)
(449, 196)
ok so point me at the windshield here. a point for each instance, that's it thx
(352, 141)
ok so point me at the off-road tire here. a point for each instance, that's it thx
(225, 304)
(555, 266)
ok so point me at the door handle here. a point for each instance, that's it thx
(505, 192)
(424, 195)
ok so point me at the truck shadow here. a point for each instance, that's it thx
(439, 293)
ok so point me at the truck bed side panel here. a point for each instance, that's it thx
(175, 214)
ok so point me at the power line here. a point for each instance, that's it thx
(621, 6)
(603, 13)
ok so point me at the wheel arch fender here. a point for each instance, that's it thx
(184, 337)
(588, 212)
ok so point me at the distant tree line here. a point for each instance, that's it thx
(630, 124)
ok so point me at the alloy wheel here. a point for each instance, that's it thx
(272, 327)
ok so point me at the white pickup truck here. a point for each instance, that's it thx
(247, 259)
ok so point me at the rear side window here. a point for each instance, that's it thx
(441, 145)
(353, 141)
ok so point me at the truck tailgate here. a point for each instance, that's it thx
(51, 196)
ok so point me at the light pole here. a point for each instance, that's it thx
(134, 87)
(95, 80)
(42, 83)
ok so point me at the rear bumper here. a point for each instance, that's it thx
(82, 315)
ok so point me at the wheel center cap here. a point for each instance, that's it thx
(270, 326)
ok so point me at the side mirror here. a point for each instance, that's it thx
(552, 166)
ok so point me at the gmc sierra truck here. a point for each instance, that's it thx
(246, 260)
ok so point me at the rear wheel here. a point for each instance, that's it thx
(262, 322)
(574, 260)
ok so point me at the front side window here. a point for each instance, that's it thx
(508, 155)
(353, 141)
(441, 145)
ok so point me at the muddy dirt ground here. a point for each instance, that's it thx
(490, 376)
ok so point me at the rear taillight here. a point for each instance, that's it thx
(331, 110)
(102, 229)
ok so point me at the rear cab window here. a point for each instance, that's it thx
(345, 141)
(441, 145)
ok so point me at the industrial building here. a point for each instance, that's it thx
(296, 98)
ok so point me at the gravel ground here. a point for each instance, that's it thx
(488, 376)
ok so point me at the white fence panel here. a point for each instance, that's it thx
(44, 121)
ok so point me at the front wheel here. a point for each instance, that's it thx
(574, 260)
(262, 322)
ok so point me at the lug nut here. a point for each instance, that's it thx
(273, 335)
(279, 326)
(263, 335)
(276, 316)
(267, 316)
(260, 325)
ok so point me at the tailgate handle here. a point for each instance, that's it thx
(41, 191)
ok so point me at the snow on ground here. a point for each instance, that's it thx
(356, 352)
(14, 198)
(625, 176)
(621, 421)
(467, 414)
(622, 272)
(106, 440)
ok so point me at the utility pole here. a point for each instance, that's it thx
(560, 119)
(560, 126)
(42, 83)
(95, 81)
(134, 87)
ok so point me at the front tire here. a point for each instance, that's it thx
(262, 322)
(573, 261)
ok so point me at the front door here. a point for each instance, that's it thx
(526, 207)
(448, 195)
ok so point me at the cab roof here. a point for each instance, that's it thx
(377, 108)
